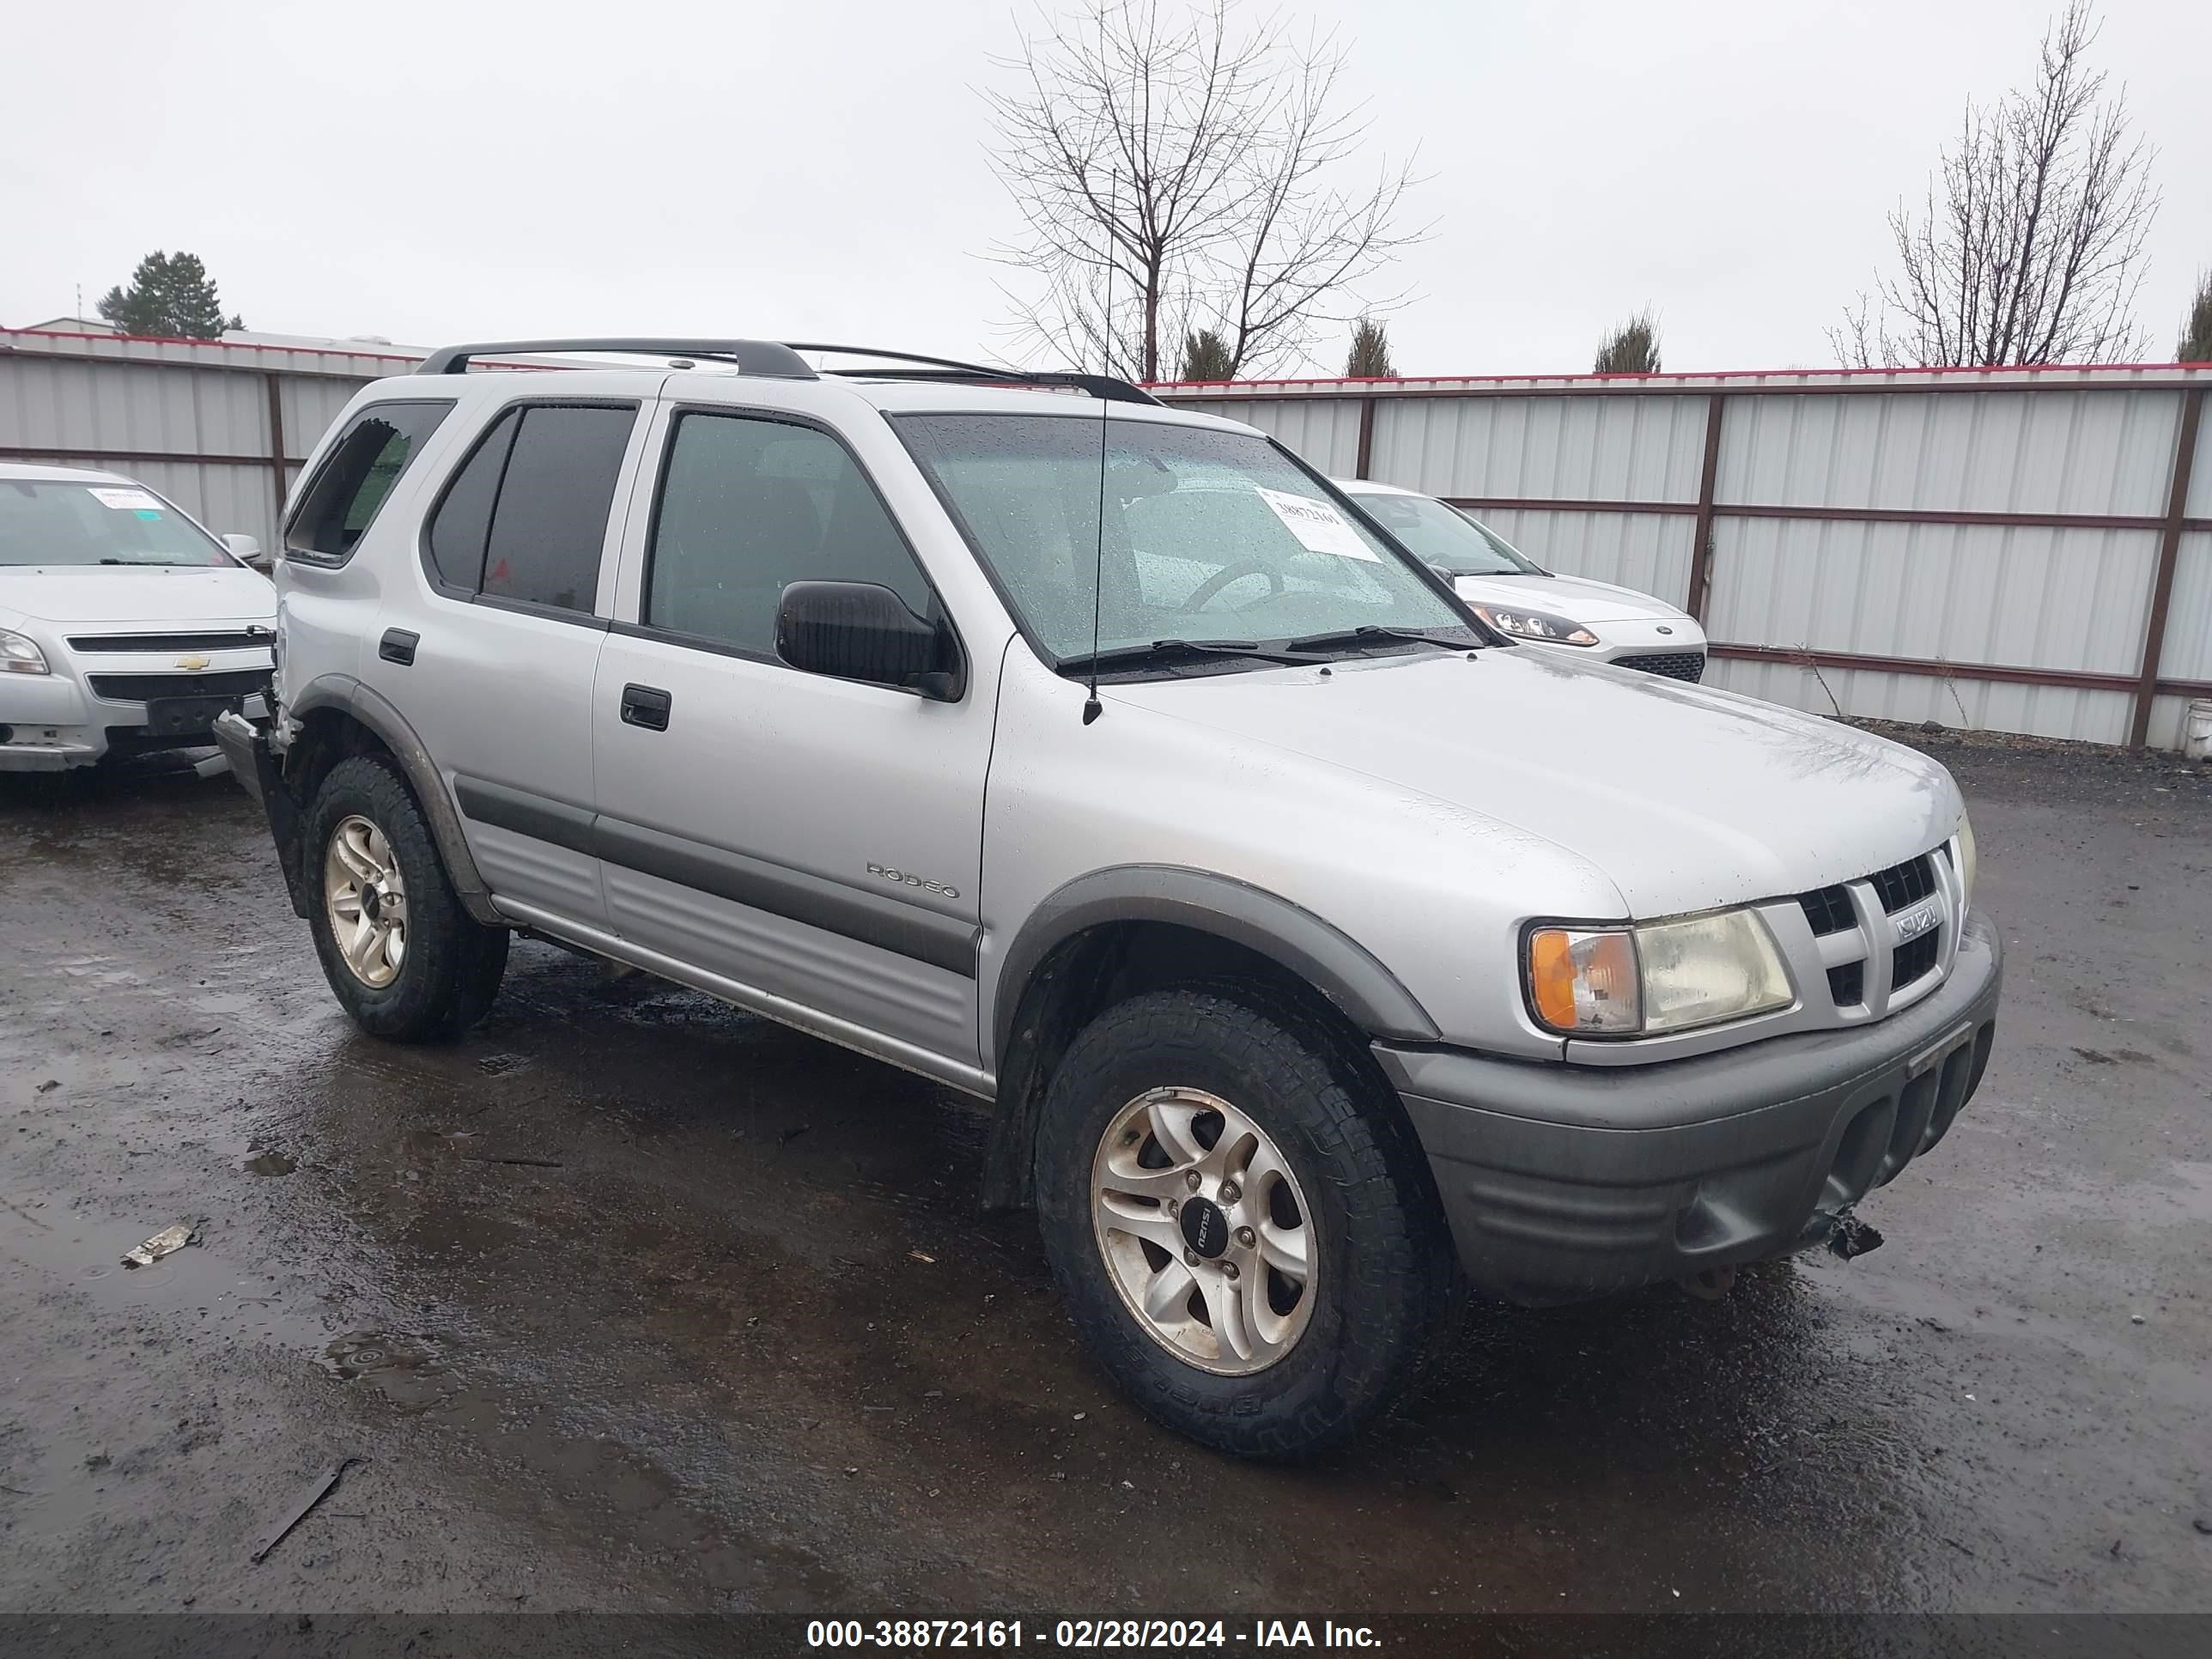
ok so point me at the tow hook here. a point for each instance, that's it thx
(1848, 1236)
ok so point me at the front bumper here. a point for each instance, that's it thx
(47, 727)
(50, 722)
(246, 746)
(1563, 1183)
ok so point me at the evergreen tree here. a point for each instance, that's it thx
(1631, 349)
(1205, 357)
(2195, 345)
(1369, 358)
(170, 295)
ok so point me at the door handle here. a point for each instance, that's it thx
(645, 705)
(397, 646)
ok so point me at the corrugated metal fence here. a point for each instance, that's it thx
(220, 429)
(2016, 551)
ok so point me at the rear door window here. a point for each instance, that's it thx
(342, 498)
(549, 522)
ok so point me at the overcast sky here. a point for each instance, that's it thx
(438, 172)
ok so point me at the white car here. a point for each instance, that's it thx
(124, 626)
(1516, 595)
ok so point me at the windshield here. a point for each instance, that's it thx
(1208, 535)
(46, 521)
(1445, 537)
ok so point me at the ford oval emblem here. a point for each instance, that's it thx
(1663, 628)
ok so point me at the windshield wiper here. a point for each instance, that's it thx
(1140, 656)
(1371, 633)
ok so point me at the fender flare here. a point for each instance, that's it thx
(1324, 956)
(376, 712)
(1320, 954)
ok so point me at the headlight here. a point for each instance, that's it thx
(1535, 625)
(1966, 858)
(1663, 976)
(19, 655)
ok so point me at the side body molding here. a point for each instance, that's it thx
(348, 696)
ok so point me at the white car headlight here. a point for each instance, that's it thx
(1968, 860)
(20, 654)
(1661, 976)
(1535, 625)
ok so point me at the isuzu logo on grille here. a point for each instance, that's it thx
(1913, 923)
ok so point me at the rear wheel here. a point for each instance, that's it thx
(1241, 1220)
(403, 955)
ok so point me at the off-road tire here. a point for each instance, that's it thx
(1388, 1288)
(453, 963)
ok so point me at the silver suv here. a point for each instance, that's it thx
(1319, 950)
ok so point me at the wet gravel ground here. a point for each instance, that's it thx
(629, 1301)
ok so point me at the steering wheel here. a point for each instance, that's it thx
(1235, 573)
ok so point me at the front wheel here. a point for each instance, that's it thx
(1241, 1220)
(403, 955)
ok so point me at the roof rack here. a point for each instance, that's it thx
(780, 360)
(1107, 388)
(750, 356)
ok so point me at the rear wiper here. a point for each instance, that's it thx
(1137, 656)
(1369, 632)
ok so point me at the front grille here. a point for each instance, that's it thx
(248, 639)
(1834, 915)
(1904, 884)
(1914, 959)
(1829, 910)
(1675, 664)
(144, 688)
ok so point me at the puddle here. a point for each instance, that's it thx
(406, 1369)
(271, 1164)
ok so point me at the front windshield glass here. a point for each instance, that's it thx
(47, 522)
(1445, 537)
(1208, 535)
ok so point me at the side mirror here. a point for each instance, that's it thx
(863, 631)
(246, 550)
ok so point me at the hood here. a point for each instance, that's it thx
(1684, 797)
(1577, 596)
(157, 596)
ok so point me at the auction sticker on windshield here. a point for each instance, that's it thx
(127, 501)
(1319, 527)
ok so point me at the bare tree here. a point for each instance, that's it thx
(2196, 343)
(2029, 249)
(1631, 349)
(1369, 356)
(1177, 169)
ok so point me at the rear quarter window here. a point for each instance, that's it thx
(356, 477)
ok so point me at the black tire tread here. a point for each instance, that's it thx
(1402, 1292)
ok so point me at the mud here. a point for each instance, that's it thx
(632, 1301)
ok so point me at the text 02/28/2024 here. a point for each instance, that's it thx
(1083, 1633)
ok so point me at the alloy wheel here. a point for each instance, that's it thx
(1203, 1231)
(365, 897)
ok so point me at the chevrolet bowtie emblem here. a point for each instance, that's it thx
(192, 665)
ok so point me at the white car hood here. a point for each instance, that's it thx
(153, 596)
(1576, 597)
(1683, 797)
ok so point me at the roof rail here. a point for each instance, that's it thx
(750, 356)
(1106, 388)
